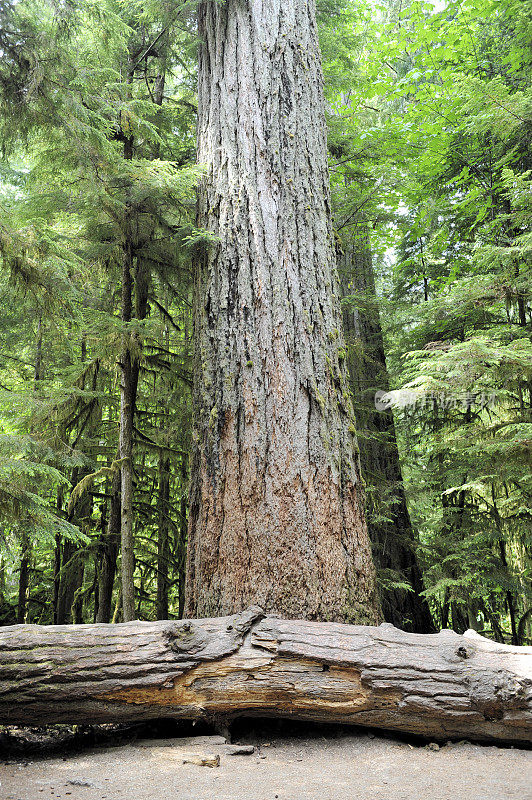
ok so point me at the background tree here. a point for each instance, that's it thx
(358, 179)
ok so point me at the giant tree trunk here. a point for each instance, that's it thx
(276, 512)
(442, 685)
(389, 525)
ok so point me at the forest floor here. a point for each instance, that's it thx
(289, 762)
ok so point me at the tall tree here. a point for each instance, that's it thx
(391, 533)
(276, 512)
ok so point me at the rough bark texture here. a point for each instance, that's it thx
(389, 526)
(442, 685)
(276, 512)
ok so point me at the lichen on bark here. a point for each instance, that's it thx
(276, 508)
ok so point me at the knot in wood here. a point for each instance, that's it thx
(184, 638)
(492, 695)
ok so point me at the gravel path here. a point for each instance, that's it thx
(308, 764)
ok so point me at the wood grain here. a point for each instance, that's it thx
(440, 685)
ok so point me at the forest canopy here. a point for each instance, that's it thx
(429, 123)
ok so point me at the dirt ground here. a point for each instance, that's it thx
(299, 763)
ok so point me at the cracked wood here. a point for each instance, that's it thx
(276, 511)
(441, 685)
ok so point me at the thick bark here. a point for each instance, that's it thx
(391, 532)
(276, 513)
(442, 685)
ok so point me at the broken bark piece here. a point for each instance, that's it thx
(442, 686)
(202, 761)
(184, 741)
(238, 750)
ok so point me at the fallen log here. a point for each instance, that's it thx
(442, 685)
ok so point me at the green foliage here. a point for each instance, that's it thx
(429, 114)
(97, 78)
(459, 319)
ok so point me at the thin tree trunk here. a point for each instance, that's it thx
(128, 394)
(459, 617)
(509, 596)
(70, 560)
(77, 605)
(38, 371)
(109, 553)
(24, 578)
(390, 528)
(277, 508)
(3, 585)
(118, 607)
(135, 284)
(57, 565)
(502, 552)
(163, 540)
(182, 544)
(127, 412)
(445, 609)
(490, 615)
(71, 577)
(454, 509)
(26, 544)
